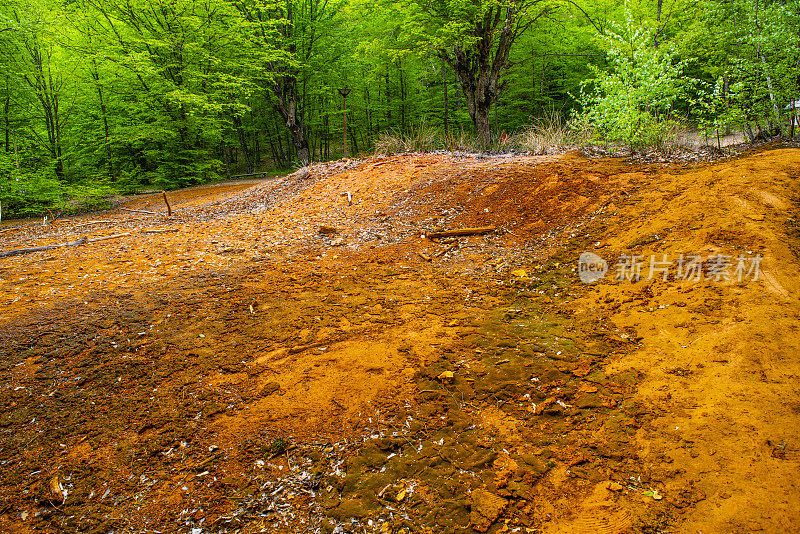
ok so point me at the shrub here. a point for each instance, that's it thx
(632, 103)
(27, 192)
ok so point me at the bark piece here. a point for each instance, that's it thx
(462, 232)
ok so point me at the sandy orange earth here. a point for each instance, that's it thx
(298, 356)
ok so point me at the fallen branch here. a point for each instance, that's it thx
(301, 348)
(115, 236)
(169, 208)
(278, 453)
(461, 232)
(20, 251)
(90, 223)
(159, 230)
(81, 241)
(139, 211)
(446, 250)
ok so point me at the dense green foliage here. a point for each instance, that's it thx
(633, 103)
(103, 96)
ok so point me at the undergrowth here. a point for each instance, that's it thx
(548, 134)
(426, 138)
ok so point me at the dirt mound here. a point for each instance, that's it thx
(298, 356)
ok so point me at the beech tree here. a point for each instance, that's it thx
(475, 38)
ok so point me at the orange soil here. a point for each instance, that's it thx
(153, 381)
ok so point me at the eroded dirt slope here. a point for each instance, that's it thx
(299, 356)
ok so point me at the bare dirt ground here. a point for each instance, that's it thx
(288, 358)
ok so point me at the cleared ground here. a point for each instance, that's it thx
(278, 358)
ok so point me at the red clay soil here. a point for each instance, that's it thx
(298, 356)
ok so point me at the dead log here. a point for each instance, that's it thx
(461, 232)
(166, 201)
(81, 241)
(20, 251)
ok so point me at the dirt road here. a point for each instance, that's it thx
(300, 357)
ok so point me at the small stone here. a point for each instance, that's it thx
(349, 508)
(446, 376)
(269, 389)
(327, 230)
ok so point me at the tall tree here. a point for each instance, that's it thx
(185, 68)
(475, 38)
(296, 27)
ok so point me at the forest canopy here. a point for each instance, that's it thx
(112, 96)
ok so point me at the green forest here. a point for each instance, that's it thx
(101, 97)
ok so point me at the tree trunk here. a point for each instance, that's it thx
(479, 68)
(482, 123)
(658, 25)
(6, 111)
(104, 114)
(446, 110)
(241, 135)
(370, 131)
(288, 110)
(344, 91)
(326, 140)
(402, 98)
(769, 82)
(283, 157)
(388, 103)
